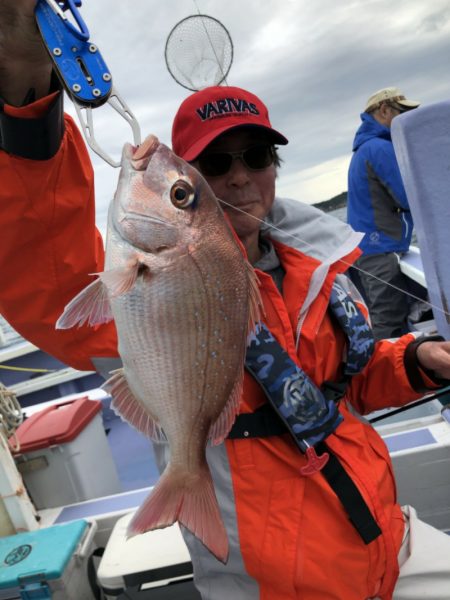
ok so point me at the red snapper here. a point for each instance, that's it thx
(183, 298)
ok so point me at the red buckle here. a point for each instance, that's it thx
(314, 463)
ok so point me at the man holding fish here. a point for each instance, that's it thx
(296, 498)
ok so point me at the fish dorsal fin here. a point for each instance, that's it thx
(127, 406)
(90, 306)
(221, 428)
(255, 300)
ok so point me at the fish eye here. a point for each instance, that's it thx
(182, 194)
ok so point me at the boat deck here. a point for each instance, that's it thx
(418, 443)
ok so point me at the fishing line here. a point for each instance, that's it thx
(296, 237)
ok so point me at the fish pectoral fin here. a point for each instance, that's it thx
(120, 281)
(90, 306)
(192, 504)
(221, 428)
(256, 303)
(130, 409)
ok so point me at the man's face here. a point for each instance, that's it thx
(246, 196)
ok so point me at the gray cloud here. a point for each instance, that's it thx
(313, 63)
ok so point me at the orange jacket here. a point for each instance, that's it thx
(290, 532)
(50, 246)
(295, 538)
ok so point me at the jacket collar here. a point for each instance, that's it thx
(369, 129)
(315, 234)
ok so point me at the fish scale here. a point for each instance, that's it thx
(168, 370)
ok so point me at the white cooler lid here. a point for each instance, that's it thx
(139, 554)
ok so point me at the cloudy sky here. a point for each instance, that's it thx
(314, 63)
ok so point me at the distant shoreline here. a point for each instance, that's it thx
(339, 201)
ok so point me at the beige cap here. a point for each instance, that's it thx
(390, 93)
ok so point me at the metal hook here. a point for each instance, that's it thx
(81, 69)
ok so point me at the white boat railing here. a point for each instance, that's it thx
(411, 266)
(48, 380)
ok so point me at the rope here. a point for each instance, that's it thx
(11, 415)
(28, 370)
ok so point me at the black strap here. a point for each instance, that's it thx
(335, 390)
(264, 422)
(349, 495)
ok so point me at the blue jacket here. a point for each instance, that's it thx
(377, 203)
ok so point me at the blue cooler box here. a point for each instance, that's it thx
(47, 563)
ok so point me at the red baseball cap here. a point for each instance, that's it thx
(206, 114)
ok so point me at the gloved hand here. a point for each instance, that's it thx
(24, 61)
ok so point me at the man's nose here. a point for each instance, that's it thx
(238, 174)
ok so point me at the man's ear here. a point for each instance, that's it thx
(384, 110)
(382, 114)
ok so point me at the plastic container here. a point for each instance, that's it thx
(420, 453)
(155, 565)
(64, 454)
(47, 563)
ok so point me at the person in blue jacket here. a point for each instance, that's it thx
(377, 205)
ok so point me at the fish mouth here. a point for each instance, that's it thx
(147, 233)
(135, 216)
(141, 155)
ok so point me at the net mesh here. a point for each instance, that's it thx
(199, 52)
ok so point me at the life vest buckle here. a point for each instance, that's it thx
(314, 463)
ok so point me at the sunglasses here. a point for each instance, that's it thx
(256, 158)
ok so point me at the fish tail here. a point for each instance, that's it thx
(192, 503)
